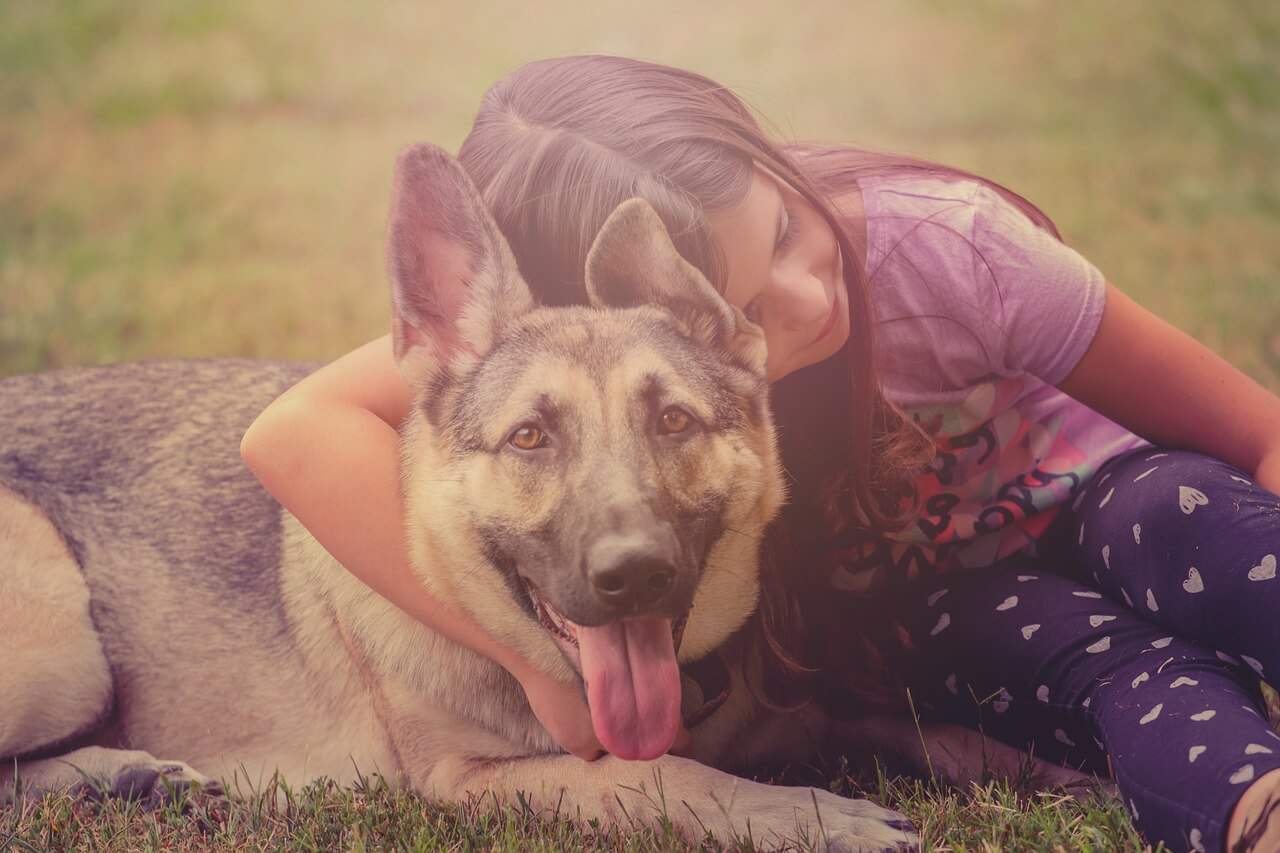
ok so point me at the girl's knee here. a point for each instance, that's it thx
(1167, 496)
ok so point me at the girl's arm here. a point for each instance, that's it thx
(1164, 385)
(328, 450)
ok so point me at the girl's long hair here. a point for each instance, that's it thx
(559, 143)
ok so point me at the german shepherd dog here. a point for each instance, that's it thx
(589, 483)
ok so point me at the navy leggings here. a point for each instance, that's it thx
(1133, 645)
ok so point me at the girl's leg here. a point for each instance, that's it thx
(1038, 660)
(1193, 543)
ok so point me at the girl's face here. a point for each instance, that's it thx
(784, 273)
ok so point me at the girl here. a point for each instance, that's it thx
(980, 429)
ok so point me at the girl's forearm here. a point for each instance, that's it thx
(337, 472)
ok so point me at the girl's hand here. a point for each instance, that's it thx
(684, 743)
(563, 712)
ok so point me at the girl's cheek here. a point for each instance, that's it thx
(812, 309)
(802, 302)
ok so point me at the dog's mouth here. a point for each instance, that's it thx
(565, 632)
(630, 673)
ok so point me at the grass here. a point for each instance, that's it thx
(182, 179)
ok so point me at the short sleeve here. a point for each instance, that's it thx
(1050, 297)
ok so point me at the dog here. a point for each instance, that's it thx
(589, 483)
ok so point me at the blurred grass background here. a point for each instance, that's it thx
(181, 178)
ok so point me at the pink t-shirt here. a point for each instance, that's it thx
(979, 313)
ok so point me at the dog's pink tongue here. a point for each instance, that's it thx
(633, 686)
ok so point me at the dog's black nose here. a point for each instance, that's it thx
(634, 581)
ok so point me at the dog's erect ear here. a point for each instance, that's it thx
(633, 262)
(454, 281)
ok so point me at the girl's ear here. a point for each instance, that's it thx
(454, 281)
(633, 262)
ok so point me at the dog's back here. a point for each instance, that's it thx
(136, 469)
(145, 456)
(147, 453)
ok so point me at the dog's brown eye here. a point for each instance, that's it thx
(675, 420)
(528, 437)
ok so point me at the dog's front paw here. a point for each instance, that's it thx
(820, 820)
(845, 824)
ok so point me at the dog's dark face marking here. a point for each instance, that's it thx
(599, 453)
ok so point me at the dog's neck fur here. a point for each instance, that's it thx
(391, 646)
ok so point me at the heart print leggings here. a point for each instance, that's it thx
(1136, 649)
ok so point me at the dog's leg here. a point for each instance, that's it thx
(54, 678)
(695, 798)
(100, 772)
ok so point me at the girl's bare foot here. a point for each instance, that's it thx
(1255, 823)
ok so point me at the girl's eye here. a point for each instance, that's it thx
(752, 311)
(674, 420)
(528, 437)
(789, 231)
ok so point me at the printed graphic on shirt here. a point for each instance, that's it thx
(996, 482)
